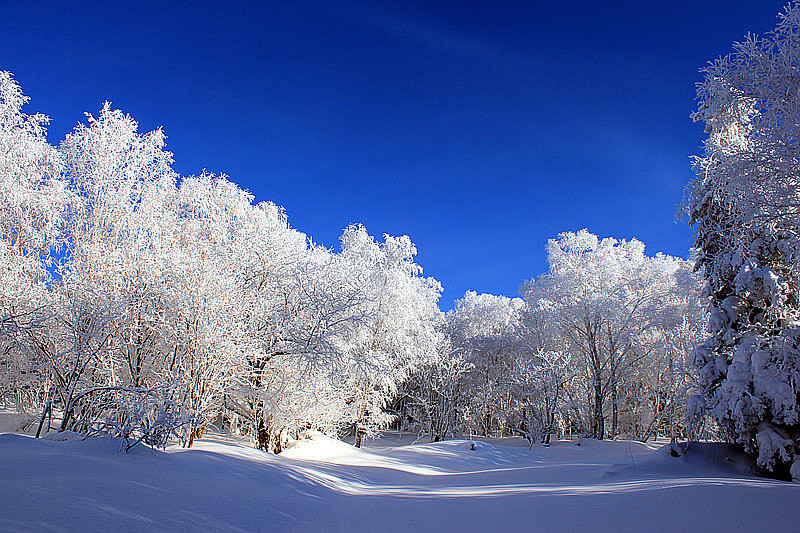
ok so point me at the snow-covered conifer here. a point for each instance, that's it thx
(744, 204)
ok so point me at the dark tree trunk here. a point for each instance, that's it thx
(195, 433)
(598, 409)
(262, 434)
(614, 407)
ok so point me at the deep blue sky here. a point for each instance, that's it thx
(479, 129)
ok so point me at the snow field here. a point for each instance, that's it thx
(321, 484)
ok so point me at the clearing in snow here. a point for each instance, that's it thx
(321, 484)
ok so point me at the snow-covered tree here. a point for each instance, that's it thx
(744, 204)
(32, 193)
(112, 290)
(437, 392)
(300, 305)
(539, 380)
(603, 295)
(32, 204)
(395, 331)
(484, 328)
(659, 386)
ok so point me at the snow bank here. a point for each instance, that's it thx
(63, 436)
(318, 447)
(692, 459)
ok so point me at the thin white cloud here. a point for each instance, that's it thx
(437, 38)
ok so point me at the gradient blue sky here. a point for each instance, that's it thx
(479, 129)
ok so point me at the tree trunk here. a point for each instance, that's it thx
(262, 433)
(598, 409)
(614, 408)
(48, 409)
(548, 427)
(195, 433)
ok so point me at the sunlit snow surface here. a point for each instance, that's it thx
(326, 485)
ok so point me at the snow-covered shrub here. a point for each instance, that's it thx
(149, 416)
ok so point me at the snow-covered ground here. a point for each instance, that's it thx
(325, 485)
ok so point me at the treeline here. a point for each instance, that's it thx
(141, 304)
(138, 303)
(599, 346)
